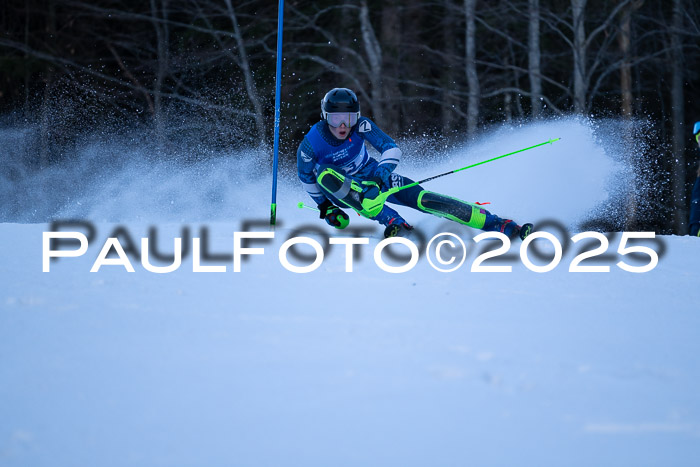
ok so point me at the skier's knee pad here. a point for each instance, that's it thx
(340, 186)
(347, 192)
(452, 208)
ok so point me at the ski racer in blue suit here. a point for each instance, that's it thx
(694, 221)
(336, 170)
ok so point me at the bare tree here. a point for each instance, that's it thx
(49, 78)
(624, 41)
(159, 15)
(448, 84)
(374, 57)
(680, 213)
(391, 43)
(579, 55)
(323, 53)
(534, 57)
(590, 51)
(470, 67)
(244, 64)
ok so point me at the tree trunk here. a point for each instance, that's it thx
(448, 102)
(680, 212)
(508, 106)
(579, 55)
(158, 15)
(27, 75)
(534, 58)
(46, 138)
(623, 39)
(470, 68)
(250, 87)
(391, 67)
(374, 56)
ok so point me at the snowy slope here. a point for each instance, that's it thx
(269, 367)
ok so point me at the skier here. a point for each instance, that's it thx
(694, 221)
(336, 170)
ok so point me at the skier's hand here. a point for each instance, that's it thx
(333, 215)
(381, 175)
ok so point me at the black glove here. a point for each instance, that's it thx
(333, 215)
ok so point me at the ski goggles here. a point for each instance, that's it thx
(696, 132)
(335, 119)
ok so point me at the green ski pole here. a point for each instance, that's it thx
(301, 205)
(375, 204)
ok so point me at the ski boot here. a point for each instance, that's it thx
(525, 230)
(397, 227)
(513, 230)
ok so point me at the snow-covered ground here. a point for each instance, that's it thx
(269, 367)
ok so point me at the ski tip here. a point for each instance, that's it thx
(554, 140)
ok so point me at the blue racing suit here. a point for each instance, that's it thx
(350, 157)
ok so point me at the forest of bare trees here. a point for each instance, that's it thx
(447, 68)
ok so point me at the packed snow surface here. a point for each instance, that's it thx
(270, 367)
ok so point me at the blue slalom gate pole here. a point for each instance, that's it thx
(278, 82)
